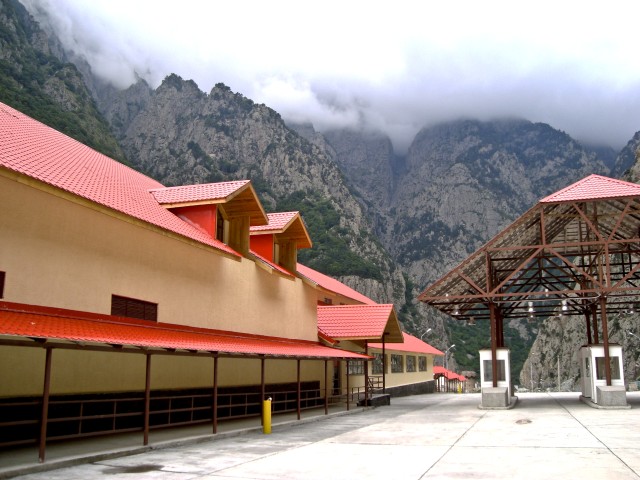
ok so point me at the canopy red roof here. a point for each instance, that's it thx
(594, 187)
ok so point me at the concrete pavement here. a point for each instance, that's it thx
(434, 436)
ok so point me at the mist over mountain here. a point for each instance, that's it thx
(383, 222)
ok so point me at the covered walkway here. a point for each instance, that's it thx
(435, 436)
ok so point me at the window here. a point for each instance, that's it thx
(130, 307)
(488, 377)
(615, 368)
(411, 363)
(422, 364)
(219, 225)
(2, 275)
(378, 364)
(356, 367)
(397, 365)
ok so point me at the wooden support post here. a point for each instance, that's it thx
(366, 373)
(326, 387)
(347, 375)
(384, 366)
(147, 399)
(214, 415)
(44, 417)
(298, 406)
(594, 319)
(262, 387)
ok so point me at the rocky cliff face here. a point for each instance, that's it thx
(181, 135)
(37, 80)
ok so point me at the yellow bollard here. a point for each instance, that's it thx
(266, 416)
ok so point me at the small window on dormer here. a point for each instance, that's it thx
(2, 275)
(328, 301)
(219, 225)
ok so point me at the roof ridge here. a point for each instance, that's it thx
(594, 187)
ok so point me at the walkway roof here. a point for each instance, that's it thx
(574, 246)
(29, 325)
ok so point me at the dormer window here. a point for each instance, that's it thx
(220, 226)
(224, 210)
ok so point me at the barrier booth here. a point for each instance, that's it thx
(500, 396)
(593, 375)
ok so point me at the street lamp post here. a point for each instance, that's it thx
(427, 331)
(446, 356)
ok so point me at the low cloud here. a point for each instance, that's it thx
(380, 65)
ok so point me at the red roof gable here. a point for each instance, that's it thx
(358, 322)
(59, 324)
(33, 149)
(411, 344)
(332, 284)
(277, 222)
(594, 187)
(197, 193)
(287, 225)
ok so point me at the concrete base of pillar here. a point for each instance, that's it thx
(608, 397)
(497, 398)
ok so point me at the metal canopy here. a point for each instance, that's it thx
(562, 257)
(575, 253)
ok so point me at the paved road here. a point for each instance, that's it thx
(437, 436)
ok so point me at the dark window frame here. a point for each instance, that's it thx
(411, 363)
(422, 363)
(397, 363)
(134, 308)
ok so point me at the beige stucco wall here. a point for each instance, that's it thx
(393, 379)
(75, 372)
(63, 254)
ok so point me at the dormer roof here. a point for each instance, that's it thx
(287, 225)
(238, 197)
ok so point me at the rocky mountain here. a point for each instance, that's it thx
(36, 79)
(386, 224)
(460, 184)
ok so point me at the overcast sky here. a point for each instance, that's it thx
(395, 66)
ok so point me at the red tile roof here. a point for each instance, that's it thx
(411, 344)
(448, 374)
(288, 224)
(277, 222)
(33, 149)
(197, 193)
(35, 322)
(354, 322)
(332, 285)
(594, 187)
